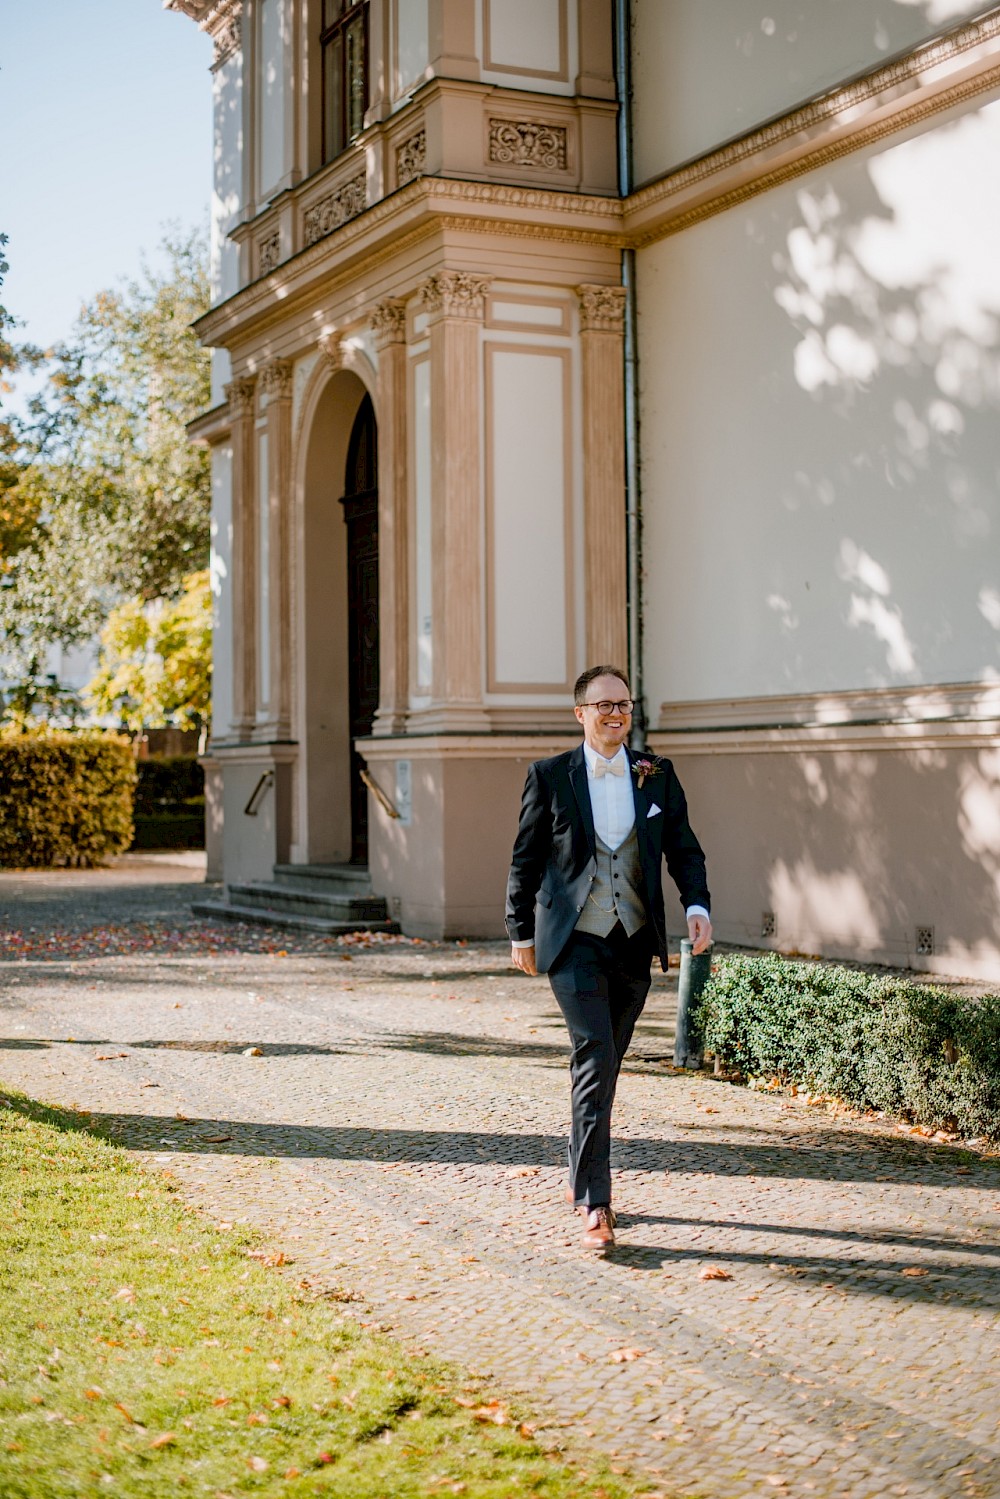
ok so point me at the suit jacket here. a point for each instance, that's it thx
(554, 852)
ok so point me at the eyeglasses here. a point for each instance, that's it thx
(625, 706)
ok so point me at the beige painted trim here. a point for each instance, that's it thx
(241, 396)
(389, 323)
(489, 66)
(513, 325)
(965, 735)
(525, 747)
(950, 702)
(493, 682)
(418, 689)
(942, 73)
(602, 339)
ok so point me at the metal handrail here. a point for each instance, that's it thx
(379, 794)
(257, 794)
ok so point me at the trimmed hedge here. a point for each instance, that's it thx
(65, 798)
(878, 1042)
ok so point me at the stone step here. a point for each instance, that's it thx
(333, 879)
(334, 905)
(227, 910)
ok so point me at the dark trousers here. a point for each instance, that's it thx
(600, 984)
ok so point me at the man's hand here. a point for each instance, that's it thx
(700, 932)
(524, 958)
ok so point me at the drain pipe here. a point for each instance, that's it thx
(633, 510)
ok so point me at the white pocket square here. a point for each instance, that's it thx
(654, 811)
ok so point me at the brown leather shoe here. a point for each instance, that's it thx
(572, 1203)
(598, 1233)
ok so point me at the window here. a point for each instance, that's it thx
(344, 44)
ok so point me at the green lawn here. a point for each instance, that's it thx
(146, 1351)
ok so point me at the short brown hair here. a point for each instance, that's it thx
(585, 678)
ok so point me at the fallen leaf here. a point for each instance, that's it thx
(253, 1051)
(127, 1293)
(915, 1270)
(215, 1139)
(110, 1056)
(713, 1272)
(221, 1400)
(494, 1412)
(282, 1402)
(125, 1412)
(165, 1440)
(626, 1355)
(94, 1393)
(526, 1430)
(258, 1464)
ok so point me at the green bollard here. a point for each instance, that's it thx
(693, 978)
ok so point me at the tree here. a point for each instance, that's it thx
(18, 508)
(113, 498)
(155, 665)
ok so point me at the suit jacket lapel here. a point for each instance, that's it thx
(647, 852)
(581, 790)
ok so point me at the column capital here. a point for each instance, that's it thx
(222, 19)
(455, 294)
(388, 320)
(240, 395)
(331, 349)
(276, 380)
(602, 308)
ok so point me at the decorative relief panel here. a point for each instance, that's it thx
(455, 294)
(411, 157)
(344, 203)
(602, 308)
(268, 253)
(528, 143)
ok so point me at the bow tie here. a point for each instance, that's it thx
(602, 767)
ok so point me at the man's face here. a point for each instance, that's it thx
(605, 732)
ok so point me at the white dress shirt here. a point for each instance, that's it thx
(612, 802)
(611, 797)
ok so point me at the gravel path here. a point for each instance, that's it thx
(400, 1135)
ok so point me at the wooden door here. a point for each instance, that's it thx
(360, 504)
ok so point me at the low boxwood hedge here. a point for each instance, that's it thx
(878, 1042)
(65, 798)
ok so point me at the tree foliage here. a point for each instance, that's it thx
(110, 500)
(155, 665)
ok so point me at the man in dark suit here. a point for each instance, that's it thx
(585, 906)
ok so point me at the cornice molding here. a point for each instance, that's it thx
(222, 19)
(860, 113)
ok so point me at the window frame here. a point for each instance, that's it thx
(328, 36)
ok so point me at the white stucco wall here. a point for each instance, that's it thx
(820, 378)
(705, 71)
(274, 97)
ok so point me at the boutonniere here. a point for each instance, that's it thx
(644, 768)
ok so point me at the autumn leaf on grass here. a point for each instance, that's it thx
(258, 1464)
(93, 1393)
(127, 1293)
(494, 1412)
(626, 1355)
(713, 1272)
(166, 1439)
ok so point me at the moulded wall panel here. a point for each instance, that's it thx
(530, 44)
(221, 572)
(821, 429)
(528, 391)
(271, 95)
(423, 559)
(411, 44)
(706, 72)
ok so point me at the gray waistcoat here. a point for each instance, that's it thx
(616, 891)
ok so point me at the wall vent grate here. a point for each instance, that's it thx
(768, 925)
(924, 941)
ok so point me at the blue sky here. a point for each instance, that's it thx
(107, 123)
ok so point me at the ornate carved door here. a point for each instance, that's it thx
(360, 504)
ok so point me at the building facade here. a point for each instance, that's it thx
(508, 381)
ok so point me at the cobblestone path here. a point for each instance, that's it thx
(401, 1135)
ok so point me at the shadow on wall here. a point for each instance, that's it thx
(889, 284)
(852, 852)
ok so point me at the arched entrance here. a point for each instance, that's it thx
(360, 502)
